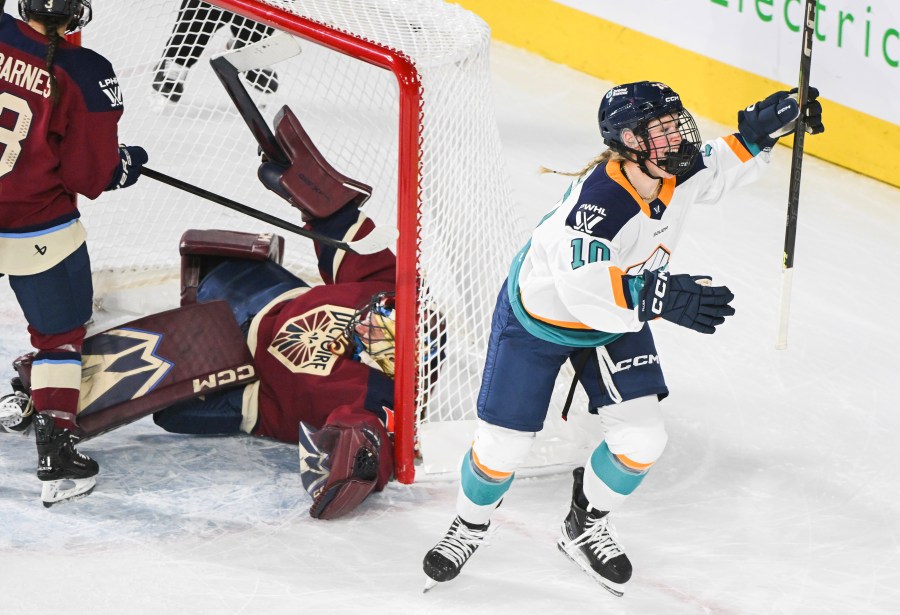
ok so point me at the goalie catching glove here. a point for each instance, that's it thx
(764, 122)
(338, 467)
(686, 300)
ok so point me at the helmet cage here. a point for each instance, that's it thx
(674, 162)
(633, 106)
(371, 331)
(78, 12)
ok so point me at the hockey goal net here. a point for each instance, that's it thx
(396, 94)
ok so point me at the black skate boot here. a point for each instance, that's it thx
(16, 410)
(589, 539)
(168, 79)
(446, 559)
(64, 472)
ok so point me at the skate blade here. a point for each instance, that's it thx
(54, 491)
(429, 583)
(582, 563)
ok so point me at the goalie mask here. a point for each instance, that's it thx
(77, 11)
(665, 132)
(371, 331)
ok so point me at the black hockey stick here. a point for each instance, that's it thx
(230, 64)
(376, 241)
(790, 235)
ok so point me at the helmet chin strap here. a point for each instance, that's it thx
(640, 158)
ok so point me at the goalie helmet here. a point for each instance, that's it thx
(77, 11)
(633, 106)
(371, 330)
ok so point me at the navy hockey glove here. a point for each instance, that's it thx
(131, 159)
(764, 122)
(686, 300)
(813, 112)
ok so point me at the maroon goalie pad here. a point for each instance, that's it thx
(201, 250)
(310, 183)
(338, 467)
(151, 363)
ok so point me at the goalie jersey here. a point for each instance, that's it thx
(566, 285)
(304, 373)
(52, 150)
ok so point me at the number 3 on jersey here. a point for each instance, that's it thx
(596, 251)
(11, 139)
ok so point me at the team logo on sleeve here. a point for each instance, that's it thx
(113, 92)
(588, 216)
(304, 343)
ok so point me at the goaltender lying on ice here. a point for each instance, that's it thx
(269, 354)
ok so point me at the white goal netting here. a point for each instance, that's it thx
(468, 229)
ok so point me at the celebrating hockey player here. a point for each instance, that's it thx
(595, 271)
(61, 106)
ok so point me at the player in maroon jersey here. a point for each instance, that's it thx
(59, 110)
(323, 355)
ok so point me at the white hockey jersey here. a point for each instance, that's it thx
(566, 285)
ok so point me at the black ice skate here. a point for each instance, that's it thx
(589, 539)
(168, 79)
(446, 559)
(16, 409)
(64, 472)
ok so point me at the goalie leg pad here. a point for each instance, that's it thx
(338, 467)
(247, 286)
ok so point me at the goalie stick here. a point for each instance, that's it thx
(790, 235)
(381, 237)
(276, 48)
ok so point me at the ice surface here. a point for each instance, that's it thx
(778, 492)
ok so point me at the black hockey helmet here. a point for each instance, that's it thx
(78, 11)
(632, 106)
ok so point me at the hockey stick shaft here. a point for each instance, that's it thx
(379, 239)
(790, 235)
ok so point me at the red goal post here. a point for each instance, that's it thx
(407, 200)
(394, 94)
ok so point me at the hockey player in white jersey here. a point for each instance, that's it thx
(582, 289)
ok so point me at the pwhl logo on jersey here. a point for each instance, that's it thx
(111, 88)
(303, 344)
(118, 366)
(585, 221)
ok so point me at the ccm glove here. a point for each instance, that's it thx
(686, 300)
(764, 122)
(131, 159)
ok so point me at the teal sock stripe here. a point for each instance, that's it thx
(480, 488)
(618, 477)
